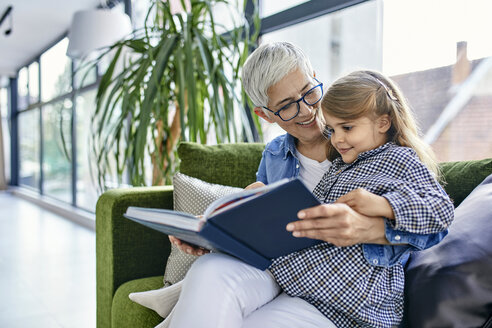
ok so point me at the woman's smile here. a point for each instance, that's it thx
(309, 122)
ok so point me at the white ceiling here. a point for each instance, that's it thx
(37, 24)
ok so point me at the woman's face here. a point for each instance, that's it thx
(307, 125)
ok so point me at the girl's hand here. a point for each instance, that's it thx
(367, 203)
(187, 248)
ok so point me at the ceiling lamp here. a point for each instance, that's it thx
(96, 29)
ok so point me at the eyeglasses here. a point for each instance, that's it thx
(291, 110)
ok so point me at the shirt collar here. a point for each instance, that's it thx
(289, 145)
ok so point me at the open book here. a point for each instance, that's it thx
(250, 225)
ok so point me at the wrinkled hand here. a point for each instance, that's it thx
(187, 248)
(255, 185)
(339, 225)
(367, 203)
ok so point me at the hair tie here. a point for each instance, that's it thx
(389, 92)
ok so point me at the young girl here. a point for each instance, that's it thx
(380, 168)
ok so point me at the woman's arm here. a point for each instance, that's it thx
(340, 225)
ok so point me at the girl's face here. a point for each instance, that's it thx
(352, 137)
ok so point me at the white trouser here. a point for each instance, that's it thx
(221, 291)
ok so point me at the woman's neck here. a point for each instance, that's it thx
(315, 150)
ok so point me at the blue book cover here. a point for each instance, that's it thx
(250, 225)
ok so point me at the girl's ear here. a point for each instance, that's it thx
(384, 123)
(259, 111)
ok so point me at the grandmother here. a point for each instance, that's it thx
(220, 291)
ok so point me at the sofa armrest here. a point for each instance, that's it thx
(126, 250)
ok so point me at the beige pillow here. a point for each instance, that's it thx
(191, 195)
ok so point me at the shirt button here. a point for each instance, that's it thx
(397, 237)
(297, 166)
(375, 261)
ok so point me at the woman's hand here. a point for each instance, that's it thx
(367, 203)
(339, 225)
(255, 185)
(187, 248)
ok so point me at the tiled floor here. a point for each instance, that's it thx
(47, 268)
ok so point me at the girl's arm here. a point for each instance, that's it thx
(367, 203)
(412, 200)
(419, 203)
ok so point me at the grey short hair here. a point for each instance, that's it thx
(268, 64)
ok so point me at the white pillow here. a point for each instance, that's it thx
(191, 195)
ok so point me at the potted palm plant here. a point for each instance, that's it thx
(175, 79)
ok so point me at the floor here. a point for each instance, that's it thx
(47, 268)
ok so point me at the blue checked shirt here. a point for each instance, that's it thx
(345, 285)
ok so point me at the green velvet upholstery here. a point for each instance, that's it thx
(462, 177)
(128, 252)
(229, 164)
(139, 316)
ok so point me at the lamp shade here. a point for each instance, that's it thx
(95, 29)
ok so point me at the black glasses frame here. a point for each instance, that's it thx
(297, 102)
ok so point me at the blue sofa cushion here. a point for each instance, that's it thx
(450, 284)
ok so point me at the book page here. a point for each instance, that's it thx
(166, 217)
(232, 200)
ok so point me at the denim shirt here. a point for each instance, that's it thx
(279, 161)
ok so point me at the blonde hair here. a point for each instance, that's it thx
(371, 94)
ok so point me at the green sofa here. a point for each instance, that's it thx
(132, 258)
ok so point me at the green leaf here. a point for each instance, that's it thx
(165, 48)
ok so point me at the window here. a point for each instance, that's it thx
(443, 66)
(86, 190)
(57, 150)
(23, 88)
(84, 75)
(55, 71)
(33, 70)
(139, 11)
(29, 148)
(270, 7)
(5, 132)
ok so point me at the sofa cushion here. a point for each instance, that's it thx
(462, 177)
(225, 164)
(450, 284)
(128, 314)
(191, 195)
